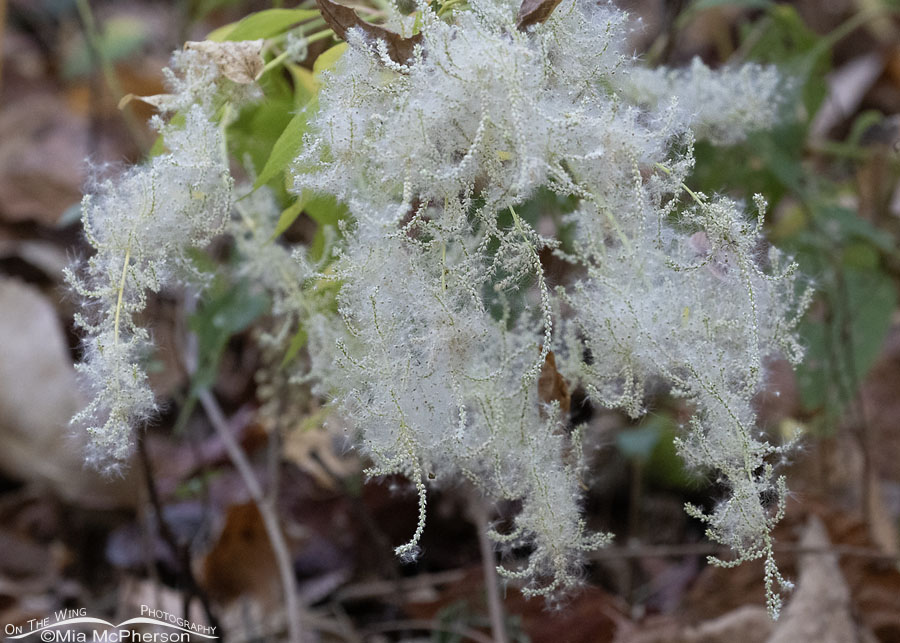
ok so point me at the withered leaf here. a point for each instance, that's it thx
(242, 563)
(162, 102)
(533, 12)
(552, 386)
(341, 19)
(239, 61)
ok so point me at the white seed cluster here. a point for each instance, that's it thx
(140, 224)
(448, 315)
(445, 317)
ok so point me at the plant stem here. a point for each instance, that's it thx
(266, 510)
(180, 552)
(121, 295)
(2, 31)
(280, 58)
(479, 516)
(92, 35)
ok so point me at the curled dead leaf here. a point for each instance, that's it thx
(552, 386)
(162, 102)
(533, 12)
(240, 61)
(341, 19)
(242, 562)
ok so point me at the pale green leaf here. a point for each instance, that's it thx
(288, 216)
(262, 24)
(328, 58)
(286, 147)
(298, 341)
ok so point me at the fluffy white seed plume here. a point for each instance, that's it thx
(448, 313)
(722, 106)
(445, 318)
(437, 385)
(140, 225)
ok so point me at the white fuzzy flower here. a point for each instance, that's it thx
(448, 312)
(140, 225)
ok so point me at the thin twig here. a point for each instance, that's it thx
(380, 588)
(95, 46)
(147, 543)
(2, 32)
(478, 513)
(429, 626)
(704, 549)
(181, 552)
(266, 510)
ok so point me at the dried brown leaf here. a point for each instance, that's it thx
(240, 61)
(533, 12)
(552, 387)
(341, 19)
(242, 563)
(163, 102)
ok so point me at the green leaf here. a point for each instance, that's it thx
(638, 443)
(861, 255)
(257, 128)
(666, 468)
(305, 84)
(286, 147)
(288, 216)
(229, 310)
(799, 52)
(121, 38)
(842, 225)
(327, 212)
(328, 58)
(262, 24)
(298, 341)
(845, 342)
(703, 5)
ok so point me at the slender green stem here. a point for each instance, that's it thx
(851, 24)
(272, 64)
(694, 195)
(121, 296)
(2, 30)
(319, 35)
(92, 34)
(280, 58)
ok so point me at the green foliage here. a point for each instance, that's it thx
(255, 132)
(703, 5)
(327, 212)
(857, 299)
(652, 445)
(286, 148)
(226, 309)
(845, 255)
(122, 37)
(263, 24)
